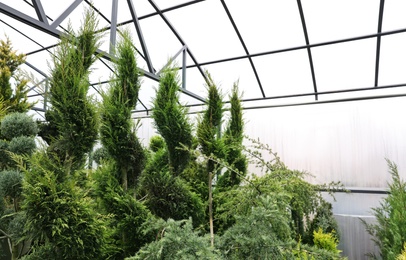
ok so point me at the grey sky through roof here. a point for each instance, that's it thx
(282, 52)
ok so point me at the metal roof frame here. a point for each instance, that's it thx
(45, 23)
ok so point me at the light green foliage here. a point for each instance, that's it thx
(390, 230)
(171, 121)
(118, 133)
(17, 124)
(59, 213)
(13, 98)
(177, 240)
(156, 143)
(402, 256)
(326, 241)
(72, 119)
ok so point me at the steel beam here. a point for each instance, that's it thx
(172, 28)
(378, 41)
(40, 11)
(244, 46)
(65, 13)
(140, 36)
(113, 29)
(309, 51)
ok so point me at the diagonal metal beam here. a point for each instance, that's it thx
(172, 28)
(378, 42)
(140, 35)
(40, 11)
(244, 46)
(309, 51)
(65, 13)
(15, 14)
(113, 29)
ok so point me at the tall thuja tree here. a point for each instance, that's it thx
(118, 134)
(209, 137)
(14, 97)
(233, 137)
(168, 193)
(72, 116)
(61, 221)
(171, 121)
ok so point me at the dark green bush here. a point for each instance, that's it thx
(22, 145)
(11, 183)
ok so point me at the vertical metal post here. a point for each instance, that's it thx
(113, 28)
(184, 67)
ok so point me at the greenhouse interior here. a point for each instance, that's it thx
(202, 129)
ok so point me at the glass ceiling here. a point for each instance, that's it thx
(283, 53)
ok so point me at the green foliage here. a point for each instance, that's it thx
(323, 219)
(59, 213)
(169, 196)
(402, 256)
(390, 230)
(326, 241)
(261, 234)
(72, 116)
(156, 143)
(208, 128)
(170, 119)
(11, 184)
(22, 145)
(17, 124)
(233, 137)
(100, 154)
(14, 99)
(128, 214)
(118, 134)
(177, 240)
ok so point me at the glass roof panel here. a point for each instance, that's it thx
(268, 25)
(332, 20)
(206, 30)
(285, 73)
(393, 60)
(394, 16)
(344, 66)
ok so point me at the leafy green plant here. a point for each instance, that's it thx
(390, 230)
(16, 125)
(402, 256)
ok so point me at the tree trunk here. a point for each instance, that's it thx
(211, 209)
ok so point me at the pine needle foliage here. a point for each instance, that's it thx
(118, 133)
(72, 115)
(14, 98)
(390, 230)
(171, 121)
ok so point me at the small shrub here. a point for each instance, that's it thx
(18, 124)
(326, 241)
(22, 145)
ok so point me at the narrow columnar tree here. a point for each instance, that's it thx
(233, 137)
(118, 133)
(170, 119)
(61, 221)
(209, 137)
(72, 116)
